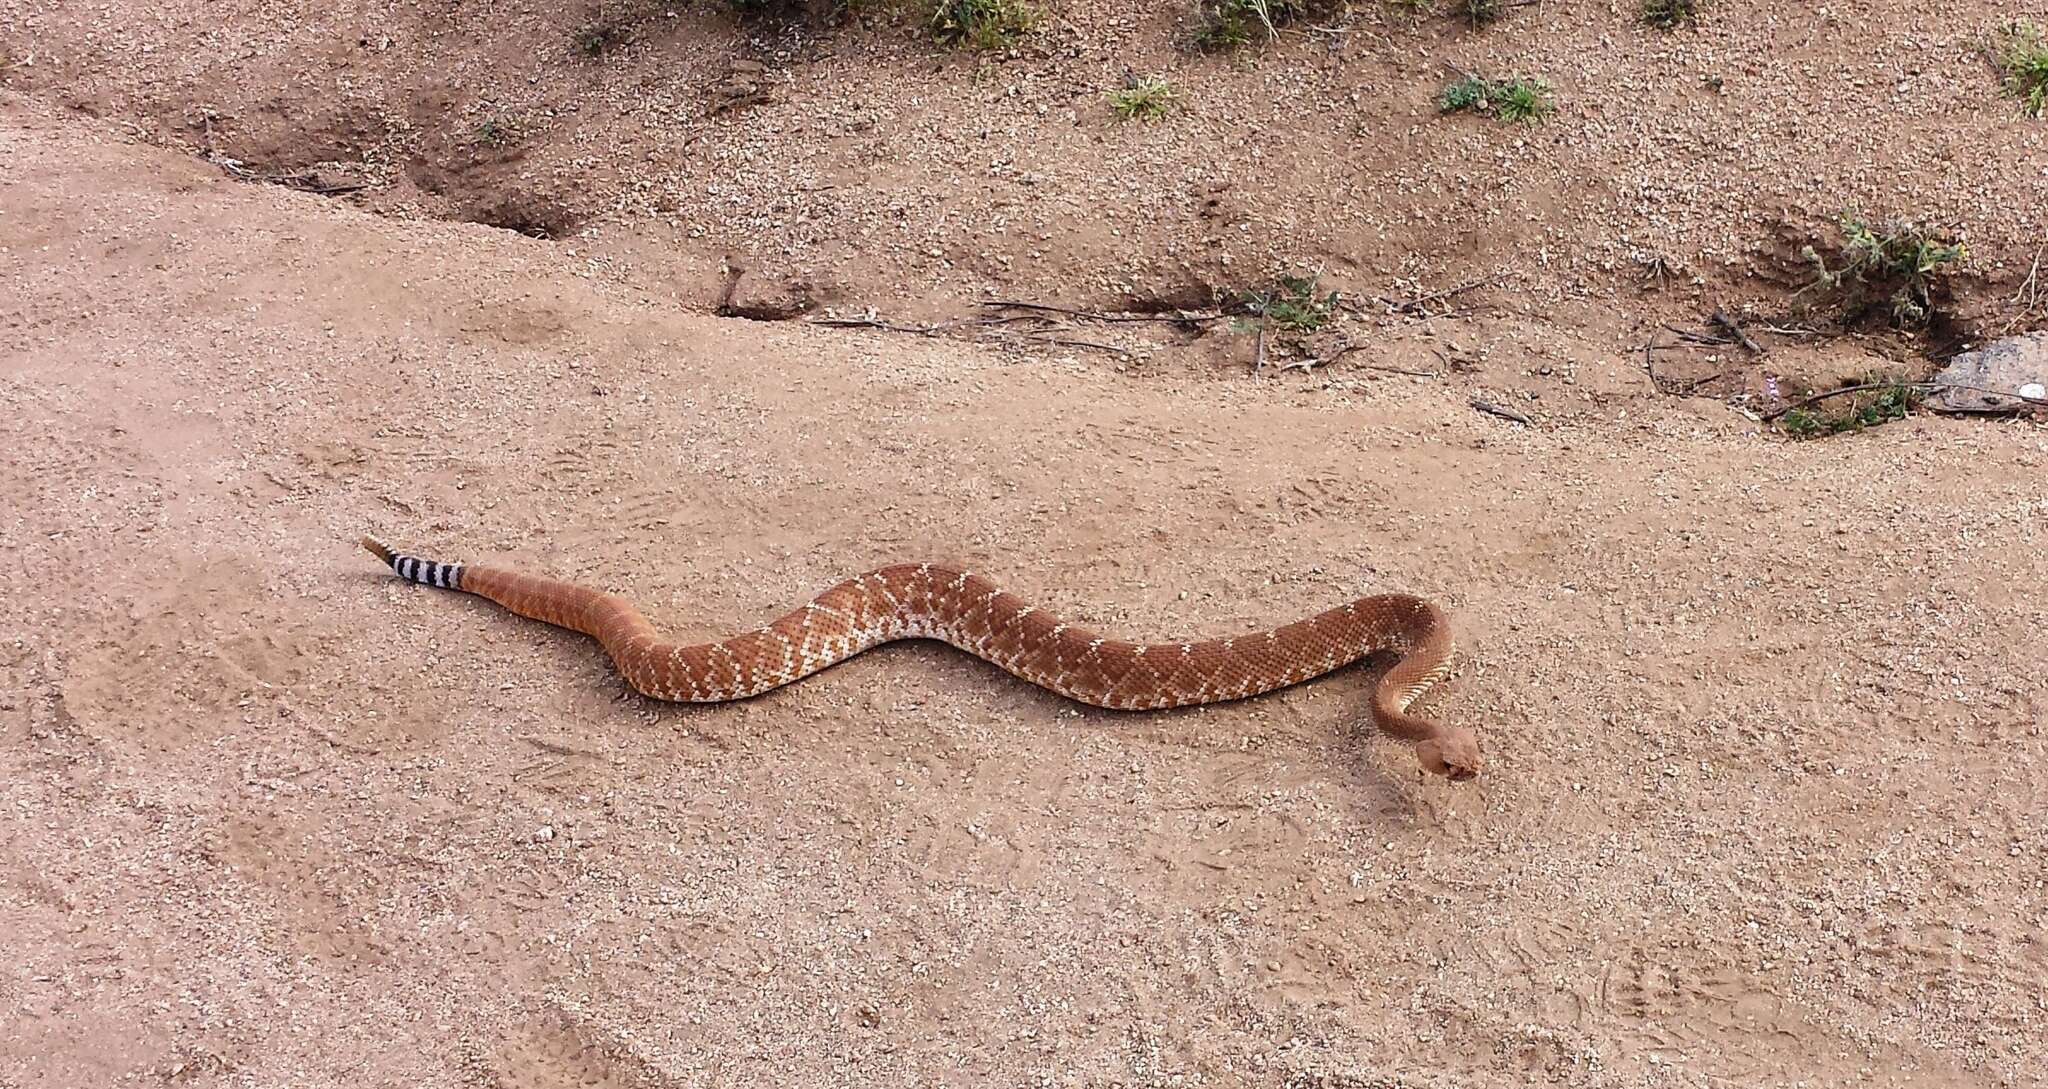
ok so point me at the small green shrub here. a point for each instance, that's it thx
(1888, 400)
(2025, 61)
(1292, 304)
(1901, 265)
(597, 39)
(495, 131)
(1233, 24)
(1141, 98)
(1670, 14)
(1481, 12)
(1522, 100)
(1466, 93)
(1514, 99)
(982, 24)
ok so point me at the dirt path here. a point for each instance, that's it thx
(1763, 719)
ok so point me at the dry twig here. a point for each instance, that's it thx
(1181, 318)
(1734, 328)
(2031, 299)
(1492, 409)
(870, 321)
(1419, 304)
(1075, 343)
(1340, 352)
(1702, 339)
(303, 180)
(1923, 387)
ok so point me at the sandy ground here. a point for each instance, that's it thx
(1763, 718)
(873, 170)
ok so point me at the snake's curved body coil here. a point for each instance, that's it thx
(930, 601)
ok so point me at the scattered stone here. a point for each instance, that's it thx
(2019, 364)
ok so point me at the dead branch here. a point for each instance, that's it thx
(1702, 339)
(1734, 328)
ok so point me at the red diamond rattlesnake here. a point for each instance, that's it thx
(929, 601)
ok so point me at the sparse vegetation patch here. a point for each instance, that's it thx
(1880, 400)
(2024, 59)
(1141, 98)
(1292, 304)
(598, 38)
(1670, 14)
(1513, 99)
(1481, 12)
(820, 11)
(497, 130)
(982, 24)
(1234, 24)
(1901, 266)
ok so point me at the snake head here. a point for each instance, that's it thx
(1453, 753)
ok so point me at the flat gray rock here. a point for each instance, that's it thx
(2016, 364)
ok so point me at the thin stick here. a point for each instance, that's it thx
(1421, 302)
(1924, 387)
(1724, 321)
(1386, 367)
(1492, 409)
(1096, 315)
(2028, 292)
(1259, 352)
(303, 180)
(1343, 350)
(1322, 360)
(1664, 385)
(1697, 338)
(1395, 370)
(1099, 346)
(2029, 297)
(871, 322)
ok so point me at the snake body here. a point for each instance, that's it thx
(967, 611)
